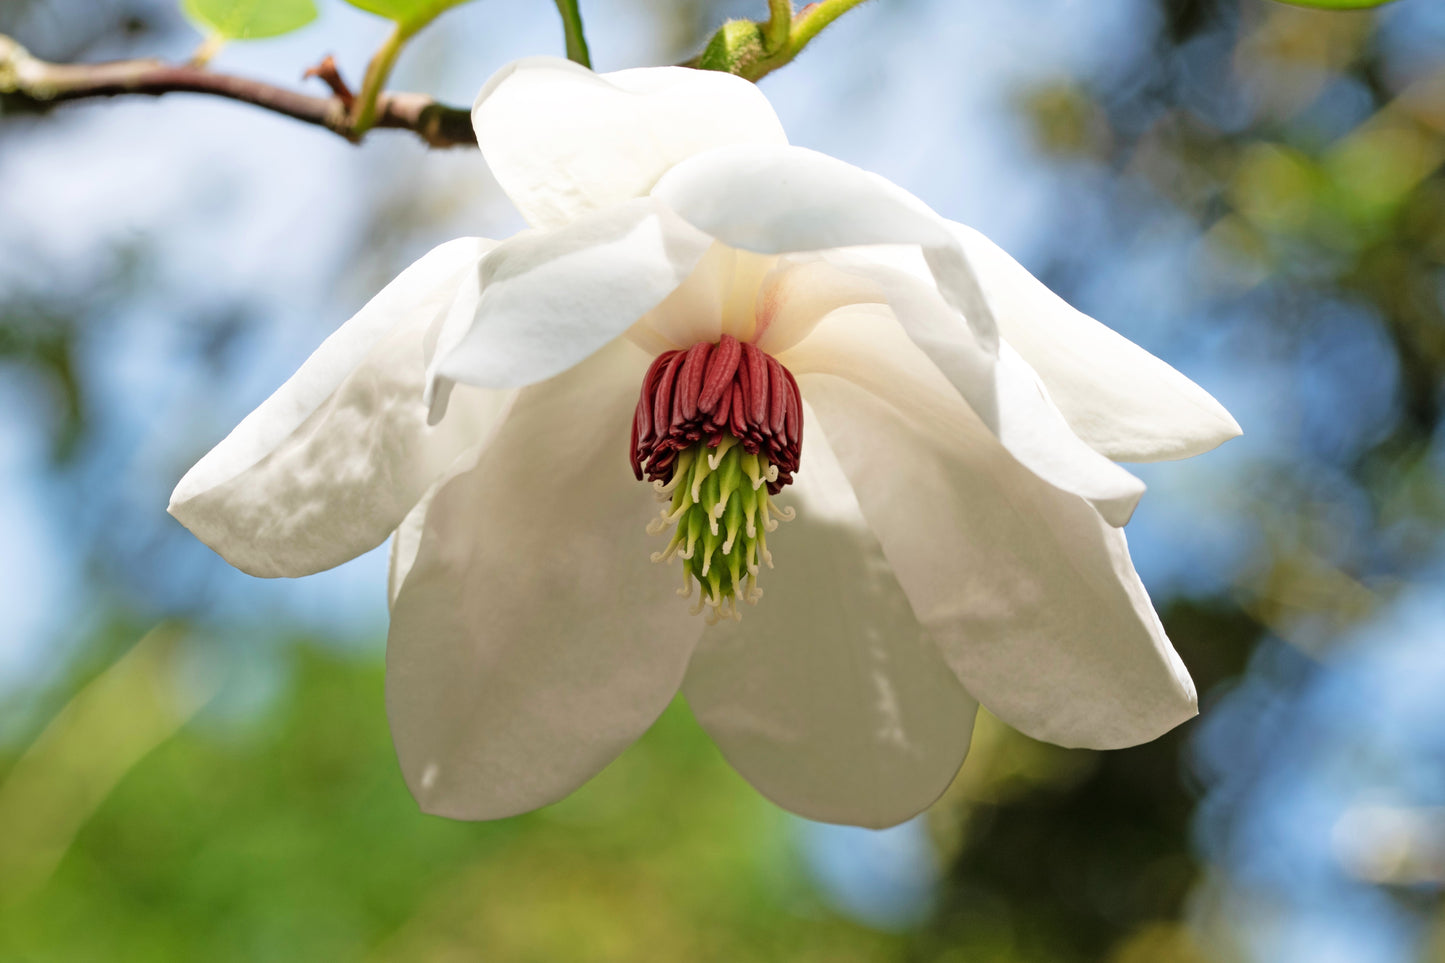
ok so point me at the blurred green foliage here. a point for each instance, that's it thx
(406, 11)
(250, 19)
(289, 835)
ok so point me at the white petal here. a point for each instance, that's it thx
(1001, 388)
(548, 299)
(563, 141)
(406, 540)
(533, 639)
(1030, 595)
(327, 466)
(798, 294)
(1117, 397)
(778, 199)
(828, 696)
(718, 297)
(765, 299)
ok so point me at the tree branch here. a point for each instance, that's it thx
(30, 83)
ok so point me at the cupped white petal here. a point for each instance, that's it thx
(780, 199)
(563, 141)
(777, 199)
(828, 696)
(1117, 397)
(545, 300)
(1030, 595)
(717, 298)
(799, 293)
(406, 540)
(772, 301)
(326, 467)
(532, 638)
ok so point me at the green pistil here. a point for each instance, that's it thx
(718, 500)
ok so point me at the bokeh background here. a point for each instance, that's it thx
(195, 764)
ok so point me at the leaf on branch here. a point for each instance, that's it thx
(249, 19)
(406, 11)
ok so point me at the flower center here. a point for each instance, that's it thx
(718, 431)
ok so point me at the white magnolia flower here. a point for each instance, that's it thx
(695, 294)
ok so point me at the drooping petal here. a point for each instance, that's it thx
(563, 141)
(1029, 593)
(1119, 398)
(1002, 390)
(406, 540)
(533, 639)
(547, 299)
(779, 200)
(828, 696)
(770, 301)
(326, 467)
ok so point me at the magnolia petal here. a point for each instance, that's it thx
(798, 294)
(547, 299)
(326, 467)
(1000, 387)
(768, 300)
(828, 696)
(1030, 595)
(1117, 397)
(717, 298)
(563, 141)
(779, 199)
(406, 540)
(533, 639)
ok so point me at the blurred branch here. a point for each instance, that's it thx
(37, 84)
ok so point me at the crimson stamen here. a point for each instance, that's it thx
(708, 391)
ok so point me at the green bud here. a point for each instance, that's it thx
(736, 46)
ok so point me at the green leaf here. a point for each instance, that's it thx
(249, 19)
(1337, 4)
(413, 12)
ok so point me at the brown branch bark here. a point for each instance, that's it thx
(30, 83)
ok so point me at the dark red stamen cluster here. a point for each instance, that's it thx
(712, 390)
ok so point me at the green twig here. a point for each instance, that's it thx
(363, 115)
(779, 28)
(813, 19)
(572, 27)
(753, 50)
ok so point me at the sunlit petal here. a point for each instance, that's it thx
(1029, 593)
(532, 638)
(563, 141)
(327, 466)
(544, 300)
(1117, 397)
(828, 696)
